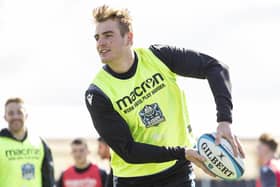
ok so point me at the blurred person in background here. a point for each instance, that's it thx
(103, 149)
(83, 172)
(25, 159)
(269, 164)
(104, 153)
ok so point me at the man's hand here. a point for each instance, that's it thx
(193, 156)
(224, 131)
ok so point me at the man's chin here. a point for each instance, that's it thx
(80, 162)
(106, 60)
(16, 127)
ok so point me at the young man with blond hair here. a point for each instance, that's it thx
(138, 108)
(25, 159)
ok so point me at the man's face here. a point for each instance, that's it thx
(15, 115)
(110, 44)
(262, 151)
(103, 150)
(79, 153)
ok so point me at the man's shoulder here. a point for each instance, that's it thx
(158, 49)
(94, 91)
(68, 169)
(5, 133)
(161, 48)
(267, 172)
(93, 88)
(268, 177)
(30, 137)
(165, 53)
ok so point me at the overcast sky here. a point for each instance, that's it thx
(48, 57)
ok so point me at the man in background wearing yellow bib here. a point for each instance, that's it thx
(25, 159)
(138, 108)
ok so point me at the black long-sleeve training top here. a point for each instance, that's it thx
(114, 129)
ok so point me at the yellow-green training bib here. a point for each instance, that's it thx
(154, 108)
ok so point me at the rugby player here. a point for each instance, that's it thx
(138, 108)
(25, 159)
(83, 172)
(104, 153)
(268, 162)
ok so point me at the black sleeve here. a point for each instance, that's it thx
(47, 168)
(103, 176)
(109, 179)
(59, 182)
(113, 128)
(198, 65)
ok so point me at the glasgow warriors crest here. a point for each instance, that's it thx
(28, 171)
(151, 115)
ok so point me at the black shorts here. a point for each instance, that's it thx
(190, 183)
(180, 175)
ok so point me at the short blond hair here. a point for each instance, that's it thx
(103, 13)
(17, 100)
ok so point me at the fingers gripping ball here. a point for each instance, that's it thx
(220, 159)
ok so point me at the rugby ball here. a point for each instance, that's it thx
(220, 159)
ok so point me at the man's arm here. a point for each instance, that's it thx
(109, 179)
(193, 64)
(47, 169)
(198, 65)
(113, 128)
(103, 176)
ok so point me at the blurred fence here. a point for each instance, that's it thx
(218, 183)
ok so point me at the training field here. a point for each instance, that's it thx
(62, 158)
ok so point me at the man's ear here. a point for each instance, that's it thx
(5, 118)
(26, 116)
(130, 38)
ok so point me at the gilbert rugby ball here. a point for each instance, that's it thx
(219, 158)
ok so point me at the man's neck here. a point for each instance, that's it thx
(123, 64)
(268, 158)
(82, 165)
(19, 135)
(108, 156)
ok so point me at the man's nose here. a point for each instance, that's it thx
(16, 116)
(101, 42)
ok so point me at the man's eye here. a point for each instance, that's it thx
(96, 38)
(19, 112)
(108, 35)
